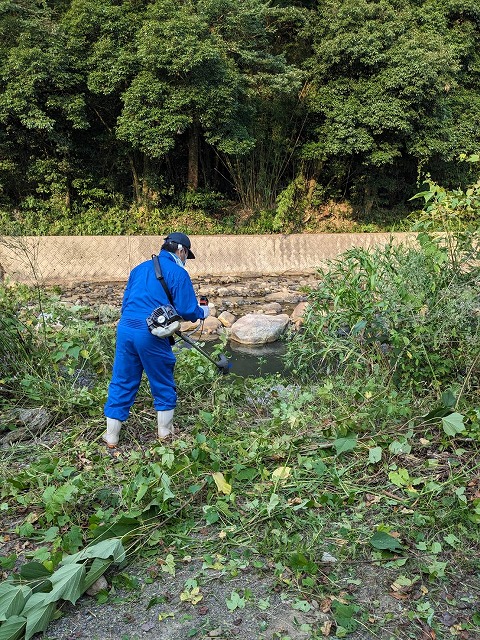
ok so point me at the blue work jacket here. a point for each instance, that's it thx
(144, 292)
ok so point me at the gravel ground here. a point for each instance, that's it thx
(154, 610)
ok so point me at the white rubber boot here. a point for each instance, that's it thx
(165, 423)
(112, 433)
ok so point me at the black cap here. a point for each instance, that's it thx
(181, 238)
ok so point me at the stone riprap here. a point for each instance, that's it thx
(231, 299)
(60, 259)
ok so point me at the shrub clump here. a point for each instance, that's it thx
(409, 312)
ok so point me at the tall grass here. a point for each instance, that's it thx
(410, 313)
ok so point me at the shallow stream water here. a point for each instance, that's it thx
(249, 360)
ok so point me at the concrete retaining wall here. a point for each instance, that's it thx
(62, 259)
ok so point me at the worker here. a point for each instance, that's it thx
(138, 349)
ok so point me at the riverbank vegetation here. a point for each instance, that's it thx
(225, 116)
(363, 456)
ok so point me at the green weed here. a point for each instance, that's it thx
(363, 460)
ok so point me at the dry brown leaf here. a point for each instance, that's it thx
(32, 517)
(326, 627)
(325, 605)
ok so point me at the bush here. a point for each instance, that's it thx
(114, 220)
(407, 311)
(16, 343)
(49, 355)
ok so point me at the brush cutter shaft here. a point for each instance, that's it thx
(222, 363)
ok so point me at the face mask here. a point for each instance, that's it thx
(180, 262)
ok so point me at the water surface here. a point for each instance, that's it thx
(251, 360)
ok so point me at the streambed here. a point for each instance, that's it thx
(252, 361)
(239, 295)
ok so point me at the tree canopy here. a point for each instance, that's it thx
(136, 102)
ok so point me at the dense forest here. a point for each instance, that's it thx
(141, 105)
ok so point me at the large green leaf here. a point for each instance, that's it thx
(119, 529)
(384, 541)
(12, 599)
(38, 613)
(111, 548)
(453, 424)
(343, 445)
(375, 454)
(449, 399)
(68, 583)
(98, 568)
(34, 571)
(299, 562)
(13, 628)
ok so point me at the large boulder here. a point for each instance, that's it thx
(211, 325)
(257, 328)
(298, 314)
(227, 318)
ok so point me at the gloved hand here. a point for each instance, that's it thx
(206, 311)
(166, 332)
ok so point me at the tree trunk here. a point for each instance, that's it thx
(193, 147)
(369, 198)
(136, 181)
(68, 198)
(145, 185)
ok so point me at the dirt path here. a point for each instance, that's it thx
(244, 606)
(237, 601)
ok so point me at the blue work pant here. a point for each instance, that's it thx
(137, 350)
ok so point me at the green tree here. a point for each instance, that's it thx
(200, 65)
(101, 36)
(385, 78)
(42, 104)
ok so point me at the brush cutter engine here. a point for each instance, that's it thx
(163, 321)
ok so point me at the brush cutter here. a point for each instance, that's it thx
(222, 363)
